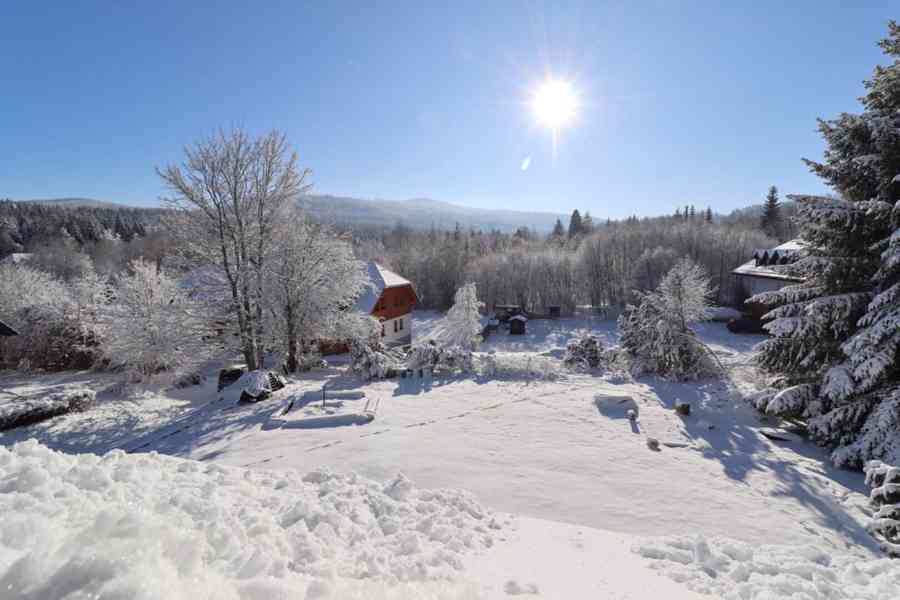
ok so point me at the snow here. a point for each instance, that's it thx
(578, 476)
(734, 570)
(150, 526)
(542, 448)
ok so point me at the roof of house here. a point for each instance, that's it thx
(6, 330)
(518, 318)
(380, 279)
(766, 260)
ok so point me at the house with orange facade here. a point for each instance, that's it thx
(389, 298)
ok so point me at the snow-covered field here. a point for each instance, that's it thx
(583, 486)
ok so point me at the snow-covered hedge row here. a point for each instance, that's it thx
(146, 526)
(734, 570)
(523, 365)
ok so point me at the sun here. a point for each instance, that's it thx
(555, 103)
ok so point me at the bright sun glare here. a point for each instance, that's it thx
(555, 103)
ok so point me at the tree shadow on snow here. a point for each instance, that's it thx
(727, 430)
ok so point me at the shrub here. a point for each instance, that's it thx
(585, 352)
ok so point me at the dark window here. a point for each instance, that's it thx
(382, 330)
(395, 326)
(401, 324)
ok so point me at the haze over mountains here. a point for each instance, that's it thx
(416, 213)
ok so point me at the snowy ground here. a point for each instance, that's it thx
(579, 477)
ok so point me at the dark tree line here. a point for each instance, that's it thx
(25, 225)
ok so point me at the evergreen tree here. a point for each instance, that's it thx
(709, 216)
(847, 368)
(587, 223)
(558, 230)
(692, 213)
(686, 213)
(771, 217)
(575, 224)
(678, 213)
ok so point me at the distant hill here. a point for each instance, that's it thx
(419, 213)
(423, 213)
(78, 203)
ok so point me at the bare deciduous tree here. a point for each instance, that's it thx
(231, 193)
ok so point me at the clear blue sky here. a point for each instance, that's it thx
(682, 102)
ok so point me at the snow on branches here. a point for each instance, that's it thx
(150, 325)
(885, 497)
(585, 352)
(462, 324)
(656, 333)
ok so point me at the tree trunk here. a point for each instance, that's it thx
(292, 362)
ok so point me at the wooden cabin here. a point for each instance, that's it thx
(389, 298)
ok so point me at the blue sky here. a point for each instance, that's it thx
(681, 102)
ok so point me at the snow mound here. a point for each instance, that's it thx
(25, 411)
(734, 570)
(150, 526)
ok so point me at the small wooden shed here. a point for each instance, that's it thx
(517, 324)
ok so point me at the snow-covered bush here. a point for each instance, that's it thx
(54, 334)
(310, 361)
(429, 355)
(585, 352)
(150, 324)
(374, 360)
(885, 497)
(656, 333)
(369, 357)
(462, 324)
(519, 365)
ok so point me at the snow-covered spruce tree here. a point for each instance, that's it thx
(151, 326)
(836, 334)
(656, 333)
(461, 326)
(885, 497)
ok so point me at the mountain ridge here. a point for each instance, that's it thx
(418, 213)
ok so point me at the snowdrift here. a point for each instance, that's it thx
(734, 570)
(19, 412)
(149, 526)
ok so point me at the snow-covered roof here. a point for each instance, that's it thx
(380, 279)
(765, 261)
(518, 318)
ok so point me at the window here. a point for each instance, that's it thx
(382, 330)
(395, 326)
(401, 324)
